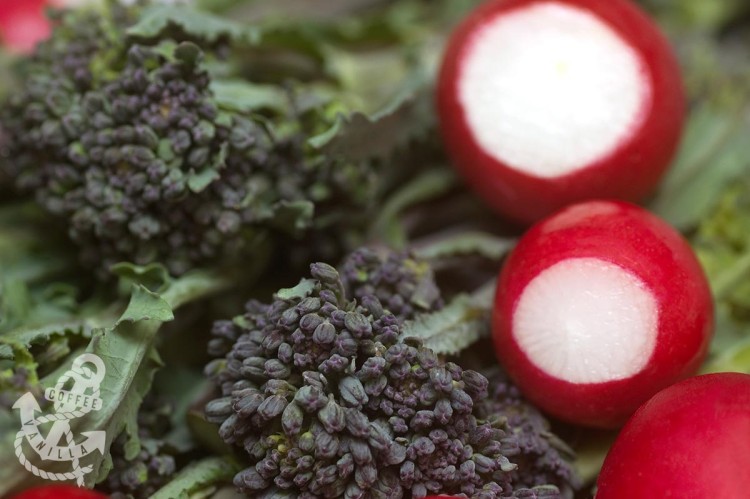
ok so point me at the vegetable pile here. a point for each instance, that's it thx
(373, 249)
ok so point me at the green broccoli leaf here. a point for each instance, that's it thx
(154, 276)
(301, 290)
(245, 97)
(158, 18)
(198, 476)
(28, 337)
(146, 305)
(466, 243)
(388, 227)
(130, 360)
(456, 326)
(360, 135)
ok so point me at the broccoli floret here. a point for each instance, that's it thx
(126, 143)
(326, 399)
(404, 284)
(544, 459)
(153, 466)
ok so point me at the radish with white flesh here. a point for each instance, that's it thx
(599, 307)
(547, 103)
(690, 441)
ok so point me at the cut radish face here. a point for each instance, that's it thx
(550, 89)
(544, 103)
(690, 441)
(598, 308)
(580, 298)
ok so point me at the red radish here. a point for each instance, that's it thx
(546, 103)
(690, 441)
(599, 307)
(23, 24)
(59, 492)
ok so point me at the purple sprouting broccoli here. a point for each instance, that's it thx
(325, 399)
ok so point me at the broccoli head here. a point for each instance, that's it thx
(126, 143)
(325, 399)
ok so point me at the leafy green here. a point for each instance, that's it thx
(466, 243)
(456, 326)
(146, 305)
(360, 135)
(715, 152)
(198, 476)
(158, 18)
(127, 348)
(242, 96)
(389, 227)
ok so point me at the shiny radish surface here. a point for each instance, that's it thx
(599, 307)
(59, 492)
(23, 24)
(546, 103)
(690, 441)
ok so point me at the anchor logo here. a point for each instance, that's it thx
(86, 374)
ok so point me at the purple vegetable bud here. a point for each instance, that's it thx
(423, 446)
(395, 453)
(372, 368)
(324, 333)
(250, 479)
(272, 407)
(306, 442)
(361, 452)
(275, 369)
(332, 416)
(443, 411)
(254, 367)
(218, 410)
(358, 325)
(309, 322)
(336, 364)
(441, 379)
(475, 384)
(352, 392)
(292, 419)
(366, 475)
(461, 402)
(247, 402)
(326, 445)
(310, 399)
(357, 424)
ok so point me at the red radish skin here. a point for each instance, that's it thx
(599, 307)
(690, 441)
(23, 24)
(638, 149)
(59, 492)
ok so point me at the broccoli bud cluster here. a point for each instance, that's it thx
(402, 283)
(543, 458)
(154, 465)
(327, 400)
(123, 163)
(127, 144)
